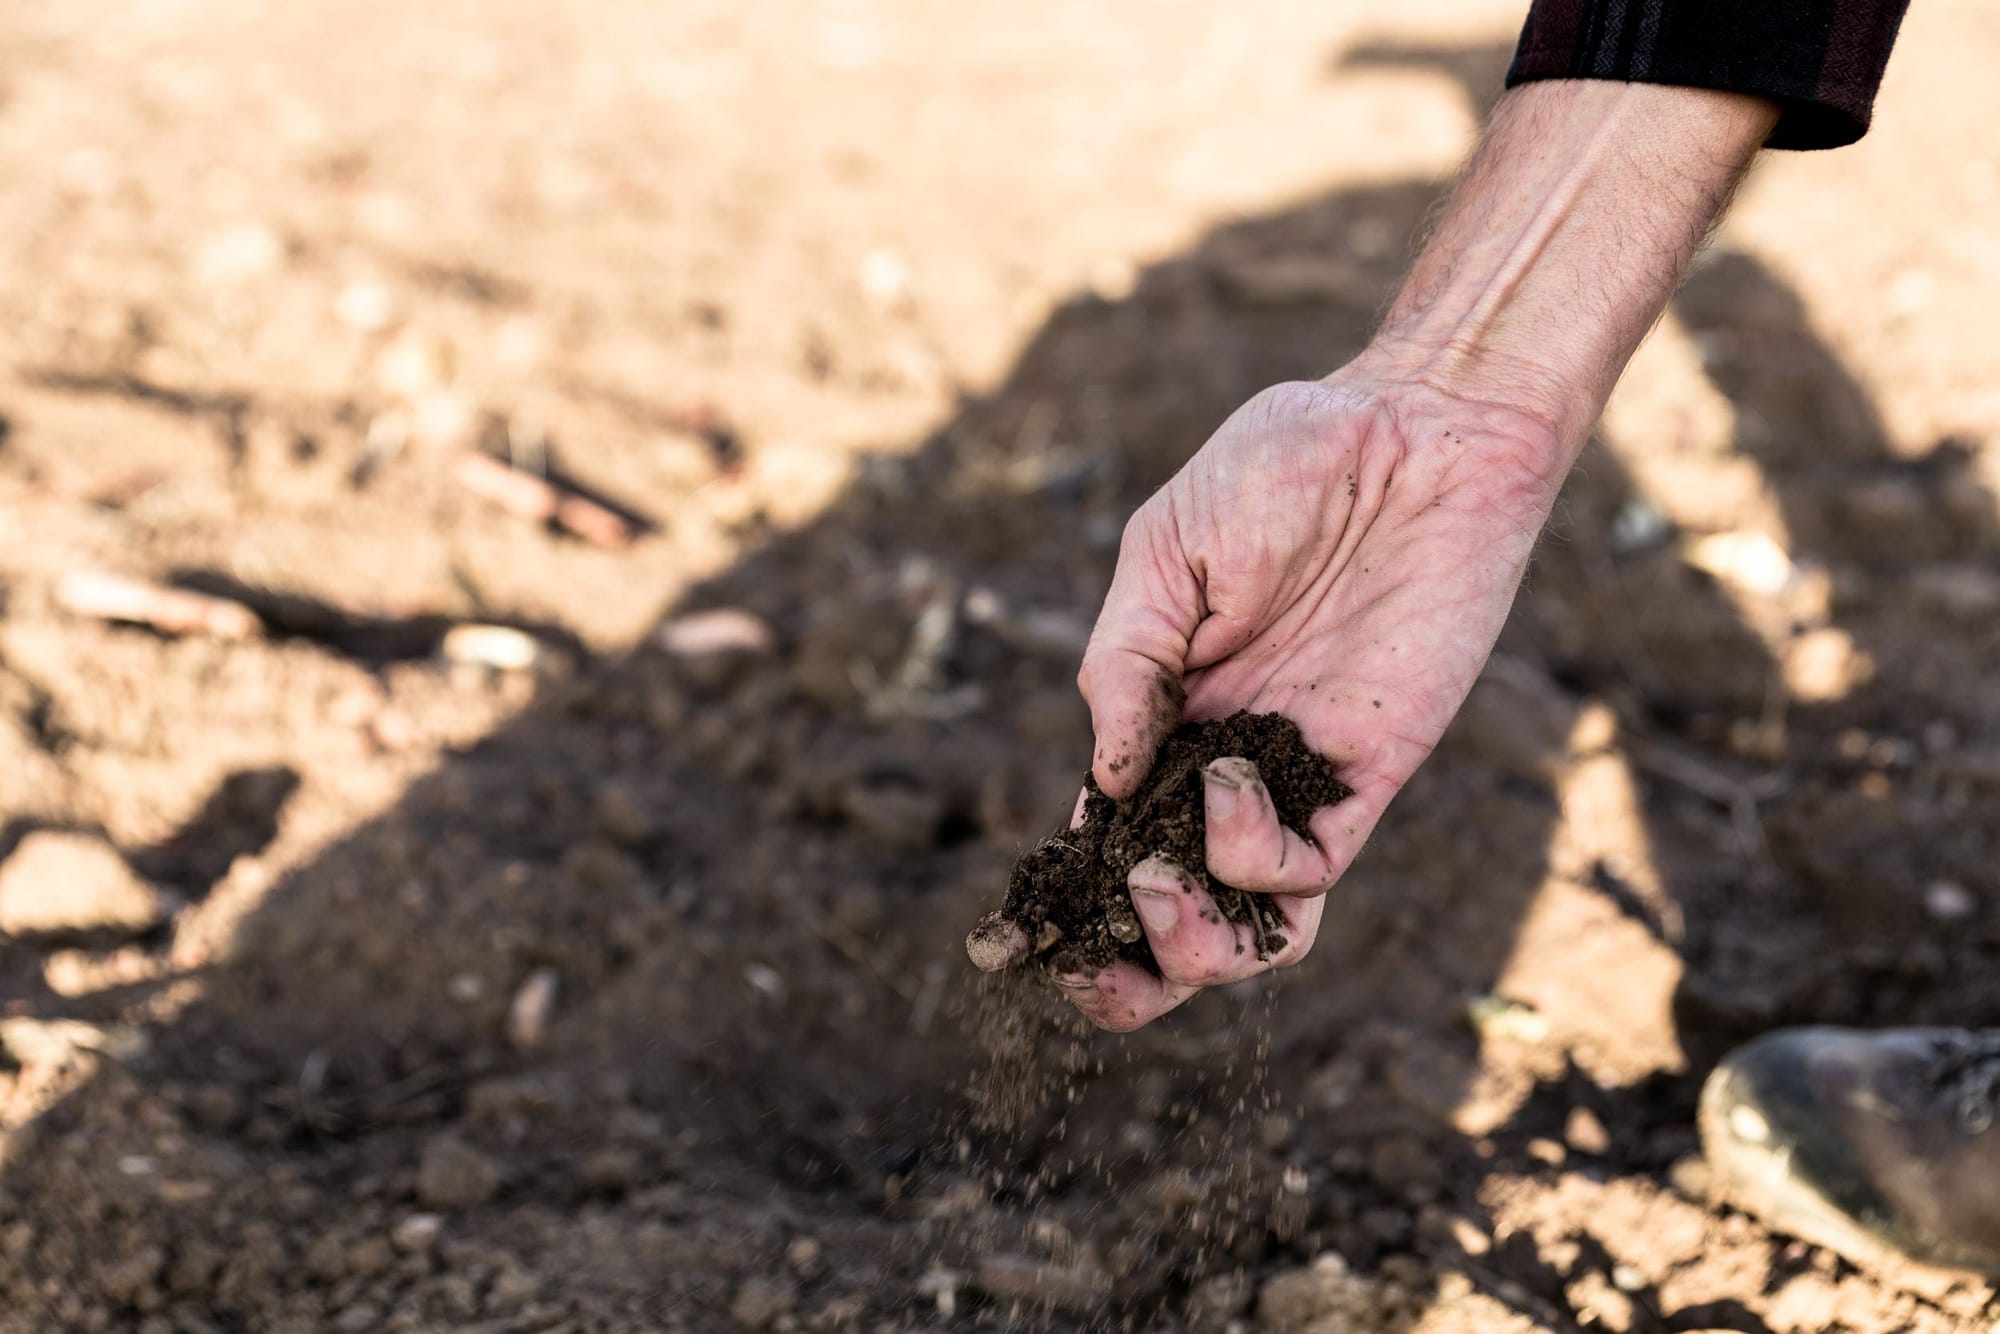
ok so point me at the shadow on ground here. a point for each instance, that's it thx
(748, 878)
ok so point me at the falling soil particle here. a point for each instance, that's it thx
(1067, 897)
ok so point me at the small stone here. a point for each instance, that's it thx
(454, 1175)
(418, 1232)
(941, 1285)
(239, 252)
(35, 1042)
(1219, 1297)
(326, 1258)
(1471, 1238)
(1585, 1133)
(1746, 561)
(701, 634)
(1599, 1303)
(610, 1170)
(623, 814)
(1452, 1286)
(885, 278)
(1692, 1177)
(357, 1319)
(803, 1254)
(1325, 1297)
(1638, 526)
(365, 307)
(760, 1302)
(133, 1278)
(1948, 901)
(1547, 1151)
(1015, 1278)
(528, 1015)
(58, 882)
(1500, 1018)
(766, 980)
(370, 1255)
(1595, 729)
(1122, 922)
(897, 813)
(500, 647)
(1824, 665)
(512, 1286)
(215, 1106)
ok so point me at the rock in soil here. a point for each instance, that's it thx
(1327, 1297)
(61, 883)
(454, 1175)
(1067, 897)
(1016, 1278)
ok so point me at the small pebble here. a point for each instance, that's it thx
(454, 1175)
(416, 1233)
(500, 647)
(701, 634)
(1585, 1133)
(803, 1254)
(528, 1015)
(1948, 901)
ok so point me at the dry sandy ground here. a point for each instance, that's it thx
(623, 991)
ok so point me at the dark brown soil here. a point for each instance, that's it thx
(1068, 893)
(889, 386)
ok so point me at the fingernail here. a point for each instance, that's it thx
(1156, 910)
(1222, 793)
(1073, 981)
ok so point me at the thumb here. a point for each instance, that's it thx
(1131, 674)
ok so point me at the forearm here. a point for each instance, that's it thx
(1575, 220)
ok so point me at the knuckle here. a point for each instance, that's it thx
(1242, 868)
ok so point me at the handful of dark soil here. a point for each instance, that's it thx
(1067, 897)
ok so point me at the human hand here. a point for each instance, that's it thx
(1343, 552)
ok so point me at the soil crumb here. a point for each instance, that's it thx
(1066, 900)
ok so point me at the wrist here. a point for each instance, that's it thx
(1548, 401)
(1572, 225)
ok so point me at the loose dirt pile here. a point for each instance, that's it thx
(1068, 894)
(537, 929)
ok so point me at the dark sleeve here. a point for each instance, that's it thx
(1820, 60)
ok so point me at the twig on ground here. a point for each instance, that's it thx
(171, 611)
(536, 498)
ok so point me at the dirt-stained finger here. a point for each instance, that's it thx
(1123, 997)
(996, 942)
(1246, 845)
(1193, 943)
(1134, 702)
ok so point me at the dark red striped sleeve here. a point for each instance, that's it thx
(1820, 60)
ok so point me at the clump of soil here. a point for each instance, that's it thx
(1068, 896)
